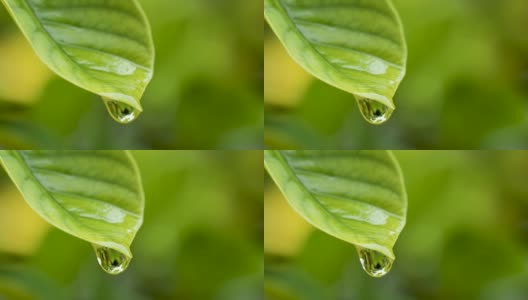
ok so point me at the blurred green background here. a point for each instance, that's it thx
(466, 85)
(206, 92)
(466, 236)
(201, 237)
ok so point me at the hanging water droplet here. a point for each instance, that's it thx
(374, 111)
(121, 112)
(374, 263)
(112, 261)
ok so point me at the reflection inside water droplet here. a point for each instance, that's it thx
(112, 261)
(121, 112)
(374, 263)
(373, 111)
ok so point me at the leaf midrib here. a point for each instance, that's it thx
(46, 191)
(284, 8)
(50, 37)
(315, 193)
(294, 176)
(49, 193)
(56, 45)
(308, 42)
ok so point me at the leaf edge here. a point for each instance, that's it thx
(380, 248)
(121, 247)
(376, 97)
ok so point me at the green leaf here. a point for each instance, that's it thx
(102, 46)
(356, 196)
(354, 45)
(96, 196)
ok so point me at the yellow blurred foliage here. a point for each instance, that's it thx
(284, 80)
(21, 229)
(284, 230)
(23, 75)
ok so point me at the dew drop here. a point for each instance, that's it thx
(374, 263)
(121, 112)
(112, 261)
(374, 111)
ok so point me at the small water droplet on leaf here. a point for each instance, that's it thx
(112, 261)
(121, 112)
(374, 111)
(374, 263)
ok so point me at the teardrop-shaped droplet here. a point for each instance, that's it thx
(121, 112)
(374, 111)
(374, 263)
(112, 261)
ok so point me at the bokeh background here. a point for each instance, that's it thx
(466, 236)
(201, 237)
(206, 92)
(466, 85)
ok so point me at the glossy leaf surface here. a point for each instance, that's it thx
(357, 196)
(102, 46)
(96, 196)
(355, 45)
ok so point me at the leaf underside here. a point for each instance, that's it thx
(96, 196)
(103, 46)
(355, 45)
(356, 196)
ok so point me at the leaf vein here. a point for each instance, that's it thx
(90, 198)
(95, 30)
(82, 176)
(346, 28)
(363, 202)
(347, 178)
